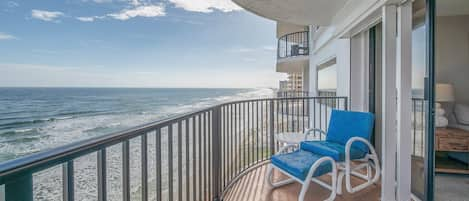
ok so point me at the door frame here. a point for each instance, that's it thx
(429, 170)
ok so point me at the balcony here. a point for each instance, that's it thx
(293, 52)
(293, 45)
(292, 94)
(209, 154)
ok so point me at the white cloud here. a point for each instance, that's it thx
(46, 15)
(97, 1)
(86, 19)
(23, 75)
(242, 50)
(135, 2)
(206, 6)
(12, 4)
(102, 1)
(268, 48)
(140, 11)
(5, 36)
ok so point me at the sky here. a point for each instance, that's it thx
(135, 43)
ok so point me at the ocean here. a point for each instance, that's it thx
(35, 119)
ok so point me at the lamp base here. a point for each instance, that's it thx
(440, 119)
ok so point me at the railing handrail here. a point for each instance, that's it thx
(299, 37)
(51, 157)
(55, 156)
(298, 32)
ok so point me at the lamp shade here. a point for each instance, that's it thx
(444, 92)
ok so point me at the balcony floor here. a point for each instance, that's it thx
(252, 187)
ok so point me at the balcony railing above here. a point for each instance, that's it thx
(293, 44)
(292, 94)
(327, 92)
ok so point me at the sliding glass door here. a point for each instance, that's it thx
(419, 100)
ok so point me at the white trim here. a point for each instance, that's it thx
(414, 197)
(389, 118)
(359, 77)
(404, 90)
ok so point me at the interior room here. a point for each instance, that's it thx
(452, 99)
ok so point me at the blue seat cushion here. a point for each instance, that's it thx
(299, 162)
(347, 124)
(332, 149)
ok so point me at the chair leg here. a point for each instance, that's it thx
(340, 180)
(349, 172)
(304, 189)
(269, 179)
(332, 187)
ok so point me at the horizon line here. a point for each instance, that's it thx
(131, 87)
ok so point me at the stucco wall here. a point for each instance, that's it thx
(452, 54)
(284, 28)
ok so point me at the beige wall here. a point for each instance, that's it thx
(452, 54)
(286, 28)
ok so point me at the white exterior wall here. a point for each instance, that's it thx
(346, 34)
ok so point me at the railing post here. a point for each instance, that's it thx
(346, 103)
(271, 128)
(68, 181)
(216, 152)
(20, 189)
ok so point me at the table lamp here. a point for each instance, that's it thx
(444, 94)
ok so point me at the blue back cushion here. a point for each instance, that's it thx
(347, 124)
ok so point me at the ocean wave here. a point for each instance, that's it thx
(30, 122)
(71, 127)
(21, 140)
(18, 131)
(102, 128)
(78, 113)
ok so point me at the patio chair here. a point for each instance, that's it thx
(348, 143)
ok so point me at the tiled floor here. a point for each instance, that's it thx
(252, 187)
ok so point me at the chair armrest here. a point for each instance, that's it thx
(312, 130)
(373, 156)
(348, 146)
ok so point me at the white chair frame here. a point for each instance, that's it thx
(346, 169)
(305, 184)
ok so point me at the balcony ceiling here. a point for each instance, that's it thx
(286, 28)
(300, 12)
(292, 64)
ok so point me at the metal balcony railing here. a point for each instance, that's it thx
(418, 126)
(327, 93)
(293, 44)
(196, 156)
(292, 94)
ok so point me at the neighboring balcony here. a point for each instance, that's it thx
(293, 52)
(292, 94)
(293, 45)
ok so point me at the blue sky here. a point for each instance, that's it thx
(134, 43)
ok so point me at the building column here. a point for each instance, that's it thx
(404, 100)
(306, 79)
(389, 128)
(313, 71)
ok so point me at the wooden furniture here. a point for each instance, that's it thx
(451, 140)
